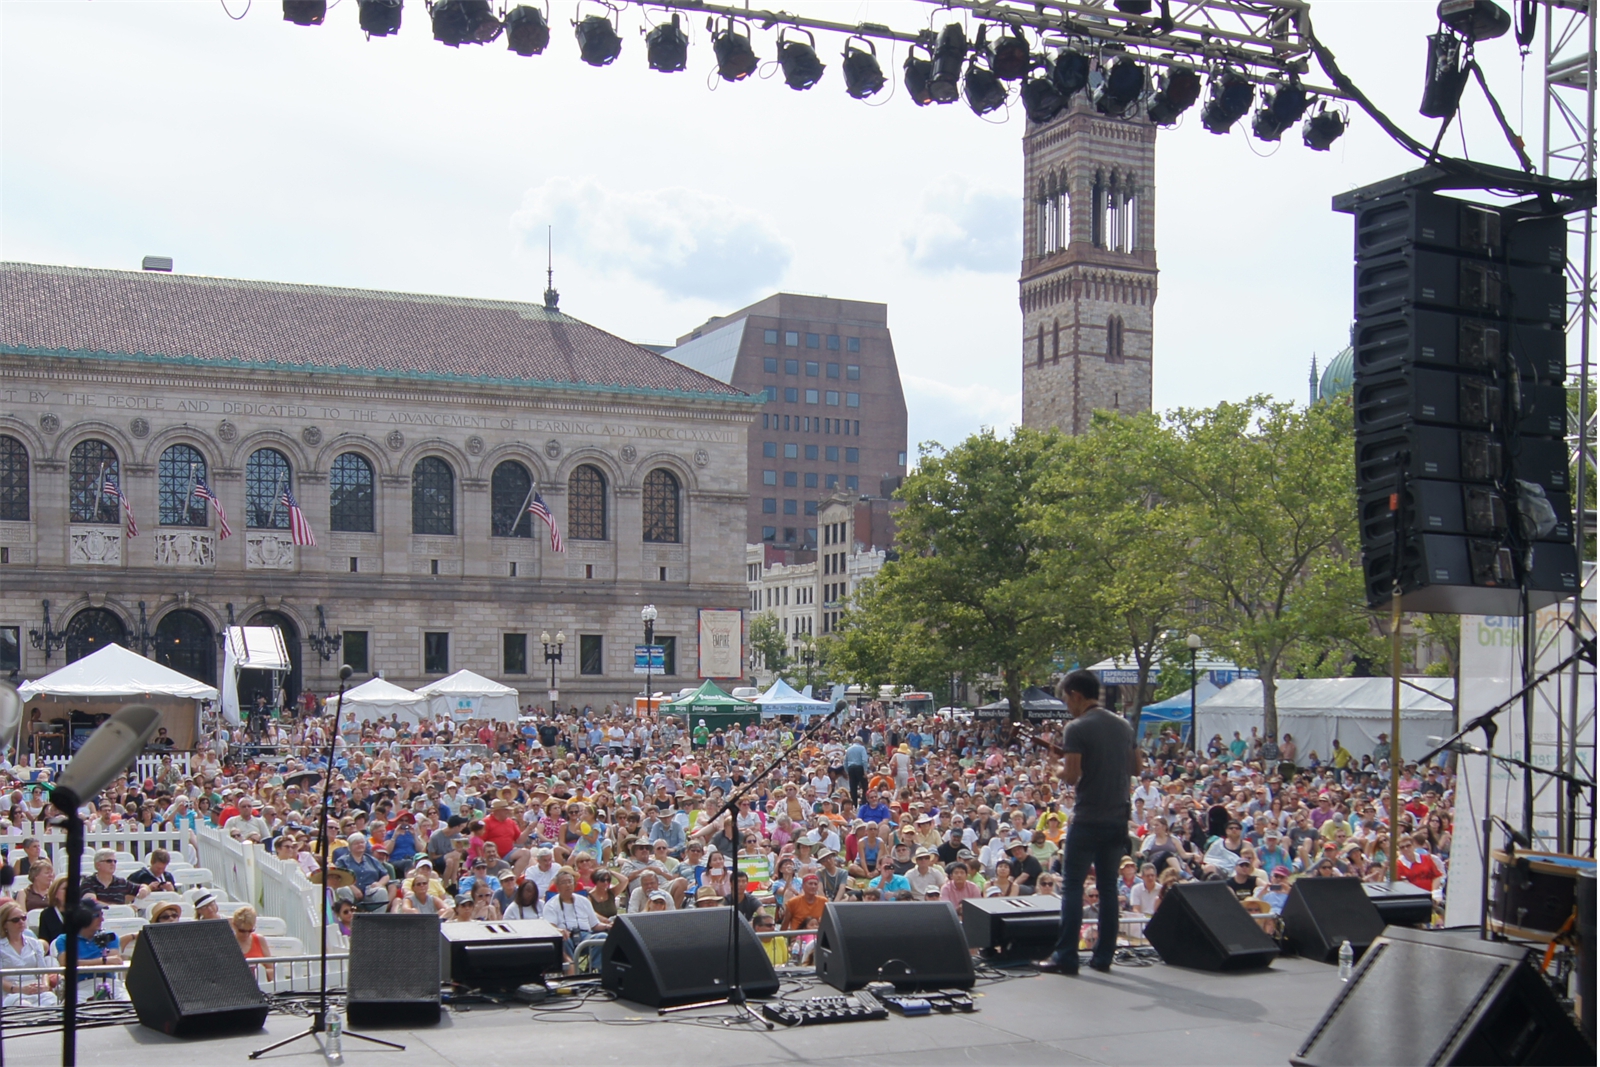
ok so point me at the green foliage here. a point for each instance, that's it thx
(768, 643)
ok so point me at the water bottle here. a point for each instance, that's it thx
(1347, 960)
(335, 1045)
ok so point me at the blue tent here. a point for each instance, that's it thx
(1169, 713)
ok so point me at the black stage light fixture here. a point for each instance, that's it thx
(798, 60)
(918, 75)
(949, 56)
(1041, 99)
(862, 75)
(1114, 90)
(985, 91)
(305, 12)
(1281, 108)
(1229, 101)
(379, 18)
(527, 30)
(598, 43)
(736, 59)
(1012, 59)
(1070, 71)
(1476, 20)
(1446, 76)
(459, 22)
(667, 47)
(1132, 7)
(1322, 129)
(1176, 92)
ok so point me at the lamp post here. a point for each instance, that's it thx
(322, 642)
(47, 640)
(1194, 643)
(647, 614)
(552, 656)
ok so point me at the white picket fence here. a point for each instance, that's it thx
(136, 843)
(147, 764)
(272, 886)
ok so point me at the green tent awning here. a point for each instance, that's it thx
(716, 707)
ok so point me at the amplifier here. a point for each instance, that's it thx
(1012, 927)
(499, 955)
(1400, 903)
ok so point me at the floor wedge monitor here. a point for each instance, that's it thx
(394, 971)
(666, 959)
(190, 979)
(1202, 925)
(916, 945)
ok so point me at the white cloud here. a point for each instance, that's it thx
(683, 242)
(948, 414)
(963, 227)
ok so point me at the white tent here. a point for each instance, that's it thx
(782, 699)
(252, 648)
(100, 683)
(379, 699)
(465, 695)
(1317, 710)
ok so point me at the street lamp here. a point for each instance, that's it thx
(552, 656)
(47, 640)
(1194, 651)
(648, 615)
(322, 642)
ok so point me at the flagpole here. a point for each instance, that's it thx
(188, 498)
(277, 494)
(533, 487)
(100, 491)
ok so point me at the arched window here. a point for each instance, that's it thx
(180, 468)
(13, 480)
(266, 476)
(508, 491)
(586, 504)
(661, 507)
(93, 629)
(433, 497)
(350, 494)
(89, 464)
(1114, 339)
(184, 642)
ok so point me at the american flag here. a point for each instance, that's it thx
(114, 491)
(299, 529)
(538, 507)
(203, 491)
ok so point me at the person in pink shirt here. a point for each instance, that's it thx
(958, 888)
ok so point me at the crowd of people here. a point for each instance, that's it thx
(577, 815)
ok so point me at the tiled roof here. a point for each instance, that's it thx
(193, 319)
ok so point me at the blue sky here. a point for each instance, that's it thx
(258, 149)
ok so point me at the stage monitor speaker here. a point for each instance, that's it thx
(497, 955)
(1202, 925)
(1012, 928)
(666, 959)
(190, 979)
(394, 971)
(1400, 903)
(1323, 913)
(917, 945)
(1432, 997)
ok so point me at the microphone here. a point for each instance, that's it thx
(1460, 748)
(1519, 838)
(345, 671)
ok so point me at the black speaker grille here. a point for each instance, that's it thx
(188, 964)
(915, 944)
(394, 957)
(1322, 913)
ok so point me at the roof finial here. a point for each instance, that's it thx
(551, 297)
(1314, 378)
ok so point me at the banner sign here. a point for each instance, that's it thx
(649, 659)
(721, 643)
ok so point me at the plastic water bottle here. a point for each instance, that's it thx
(1347, 960)
(335, 1045)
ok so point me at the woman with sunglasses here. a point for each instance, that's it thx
(19, 948)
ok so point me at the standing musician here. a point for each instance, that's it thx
(1098, 758)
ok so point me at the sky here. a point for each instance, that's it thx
(244, 146)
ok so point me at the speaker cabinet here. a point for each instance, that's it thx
(1322, 913)
(916, 945)
(1432, 997)
(665, 959)
(190, 979)
(498, 955)
(1202, 925)
(1400, 903)
(394, 971)
(1012, 928)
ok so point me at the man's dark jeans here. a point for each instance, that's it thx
(1102, 845)
(858, 782)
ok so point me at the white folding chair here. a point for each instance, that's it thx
(33, 921)
(193, 876)
(226, 908)
(122, 927)
(270, 926)
(119, 911)
(283, 945)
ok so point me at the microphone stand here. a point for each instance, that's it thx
(319, 1018)
(736, 997)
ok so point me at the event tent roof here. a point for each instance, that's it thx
(1316, 710)
(465, 683)
(715, 706)
(782, 699)
(115, 671)
(379, 698)
(465, 695)
(1037, 705)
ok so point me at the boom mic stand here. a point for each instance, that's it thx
(319, 1018)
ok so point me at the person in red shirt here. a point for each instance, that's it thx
(1415, 867)
(501, 827)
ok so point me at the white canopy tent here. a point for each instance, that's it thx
(249, 648)
(1317, 710)
(782, 699)
(465, 695)
(102, 682)
(379, 699)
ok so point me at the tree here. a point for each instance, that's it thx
(769, 643)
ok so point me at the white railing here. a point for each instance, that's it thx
(290, 974)
(232, 864)
(136, 843)
(272, 886)
(148, 765)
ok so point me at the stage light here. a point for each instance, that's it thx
(736, 60)
(1114, 90)
(1012, 58)
(527, 30)
(1070, 71)
(1042, 100)
(598, 43)
(949, 56)
(1445, 78)
(1322, 129)
(305, 12)
(667, 47)
(379, 18)
(918, 75)
(862, 75)
(1229, 101)
(1177, 91)
(459, 22)
(798, 60)
(1476, 20)
(1132, 7)
(1280, 109)
(985, 91)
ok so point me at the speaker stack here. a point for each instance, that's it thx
(190, 980)
(666, 959)
(1202, 925)
(916, 945)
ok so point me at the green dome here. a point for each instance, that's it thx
(1339, 377)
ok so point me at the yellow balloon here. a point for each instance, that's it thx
(586, 828)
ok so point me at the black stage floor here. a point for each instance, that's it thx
(1136, 1015)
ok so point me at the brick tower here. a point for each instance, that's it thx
(1088, 286)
